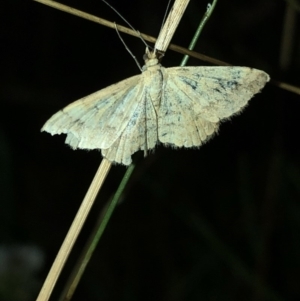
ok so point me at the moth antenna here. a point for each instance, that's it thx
(126, 23)
(145, 43)
(164, 18)
(126, 47)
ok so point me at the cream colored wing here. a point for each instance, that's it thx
(97, 120)
(195, 99)
(139, 134)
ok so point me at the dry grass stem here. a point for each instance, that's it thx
(171, 24)
(285, 86)
(74, 230)
(182, 50)
(129, 31)
(95, 19)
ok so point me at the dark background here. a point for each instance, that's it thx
(218, 223)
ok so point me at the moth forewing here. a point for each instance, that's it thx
(96, 120)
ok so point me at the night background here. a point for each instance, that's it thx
(217, 223)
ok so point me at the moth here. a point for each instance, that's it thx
(177, 106)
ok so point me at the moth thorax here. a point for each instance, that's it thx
(154, 80)
(150, 62)
(150, 58)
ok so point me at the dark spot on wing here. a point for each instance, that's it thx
(192, 83)
(231, 84)
(218, 90)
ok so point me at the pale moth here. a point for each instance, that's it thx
(178, 106)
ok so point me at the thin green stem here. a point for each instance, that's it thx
(94, 239)
(208, 13)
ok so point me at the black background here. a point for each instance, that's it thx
(217, 223)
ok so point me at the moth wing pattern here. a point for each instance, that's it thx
(96, 121)
(196, 99)
(139, 134)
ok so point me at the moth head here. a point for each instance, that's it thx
(152, 58)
